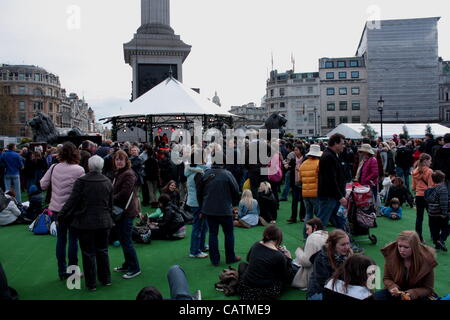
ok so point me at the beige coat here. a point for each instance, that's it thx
(314, 244)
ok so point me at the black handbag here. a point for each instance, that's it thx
(117, 212)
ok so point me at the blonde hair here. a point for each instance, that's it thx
(420, 164)
(265, 187)
(247, 199)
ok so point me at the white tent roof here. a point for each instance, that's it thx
(171, 97)
(415, 130)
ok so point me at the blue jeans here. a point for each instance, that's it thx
(199, 230)
(125, 228)
(228, 229)
(62, 231)
(179, 287)
(287, 186)
(316, 297)
(328, 208)
(404, 174)
(13, 180)
(312, 209)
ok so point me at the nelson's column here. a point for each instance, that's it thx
(155, 49)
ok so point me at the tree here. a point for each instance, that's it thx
(428, 129)
(368, 132)
(405, 134)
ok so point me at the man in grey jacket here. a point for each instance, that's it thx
(219, 191)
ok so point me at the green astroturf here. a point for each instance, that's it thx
(30, 263)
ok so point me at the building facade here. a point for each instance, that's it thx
(297, 97)
(75, 112)
(343, 92)
(444, 92)
(24, 91)
(401, 58)
(250, 113)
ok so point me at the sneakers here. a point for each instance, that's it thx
(201, 255)
(290, 221)
(131, 275)
(121, 269)
(206, 249)
(197, 295)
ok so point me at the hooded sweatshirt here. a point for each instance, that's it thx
(422, 180)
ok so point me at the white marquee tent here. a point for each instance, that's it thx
(171, 97)
(415, 130)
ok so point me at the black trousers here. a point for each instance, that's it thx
(439, 228)
(420, 206)
(94, 248)
(296, 198)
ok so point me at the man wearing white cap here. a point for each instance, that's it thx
(309, 178)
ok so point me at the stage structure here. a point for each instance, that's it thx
(169, 106)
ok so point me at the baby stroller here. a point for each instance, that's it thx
(361, 211)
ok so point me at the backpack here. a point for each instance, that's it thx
(229, 281)
(275, 171)
(42, 224)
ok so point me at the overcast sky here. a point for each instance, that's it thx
(232, 40)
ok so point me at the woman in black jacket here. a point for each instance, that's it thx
(171, 190)
(269, 268)
(89, 209)
(170, 223)
(327, 261)
(268, 205)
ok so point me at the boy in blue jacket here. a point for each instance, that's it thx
(394, 211)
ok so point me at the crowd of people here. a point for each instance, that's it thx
(96, 194)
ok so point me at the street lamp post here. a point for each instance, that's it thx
(380, 110)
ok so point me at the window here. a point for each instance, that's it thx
(355, 91)
(343, 105)
(331, 122)
(330, 91)
(38, 92)
(342, 75)
(447, 116)
(354, 63)
(38, 106)
(281, 92)
(272, 105)
(311, 131)
(22, 132)
(21, 90)
(282, 104)
(343, 91)
(311, 117)
(37, 77)
(343, 120)
(355, 74)
(330, 75)
(356, 120)
(6, 90)
(299, 131)
(446, 96)
(22, 105)
(22, 118)
(271, 92)
(329, 64)
(331, 106)
(341, 64)
(310, 90)
(50, 107)
(356, 105)
(21, 76)
(50, 92)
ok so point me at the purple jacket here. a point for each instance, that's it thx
(63, 178)
(369, 172)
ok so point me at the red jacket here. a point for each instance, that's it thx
(369, 172)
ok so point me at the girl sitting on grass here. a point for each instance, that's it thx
(394, 211)
(248, 212)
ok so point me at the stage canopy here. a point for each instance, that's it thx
(415, 130)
